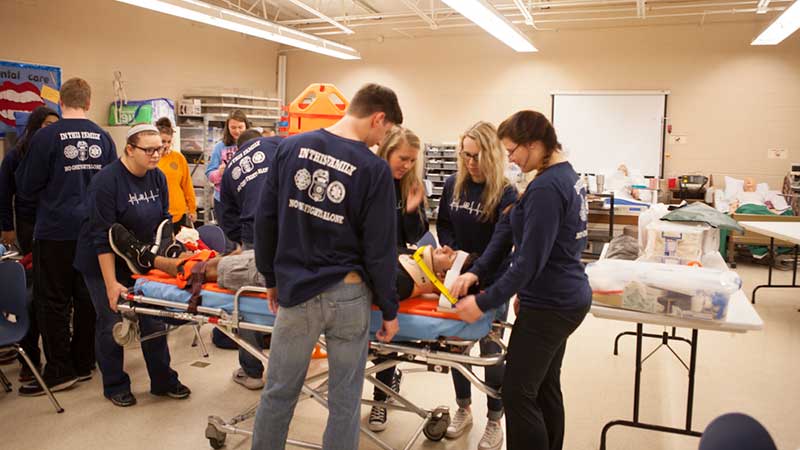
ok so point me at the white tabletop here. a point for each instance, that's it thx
(787, 231)
(742, 317)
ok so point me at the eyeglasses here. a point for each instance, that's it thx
(511, 152)
(470, 156)
(149, 151)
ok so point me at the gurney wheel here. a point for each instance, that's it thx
(437, 425)
(216, 443)
(215, 438)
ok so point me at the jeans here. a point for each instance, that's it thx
(58, 293)
(342, 313)
(493, 375)
(493, 378)
(251, 365)
(110, 356)
(532, 396)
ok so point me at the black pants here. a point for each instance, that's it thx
(59, 292)
(532, 397)
(30, 343)
(385, 376)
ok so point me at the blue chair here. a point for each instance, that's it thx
(12, 304)
(736, 431)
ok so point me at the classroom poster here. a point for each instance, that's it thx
(23, 87)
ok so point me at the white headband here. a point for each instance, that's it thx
(141, 127)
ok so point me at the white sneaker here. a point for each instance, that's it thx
(462, 419)
(239, 376)
(492, 437)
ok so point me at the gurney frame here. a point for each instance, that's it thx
(438, 356)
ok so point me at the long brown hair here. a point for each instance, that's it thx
(527, 127)
(394, 140)
(239, 116)
(491, 163)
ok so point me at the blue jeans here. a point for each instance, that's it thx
(110, 356)
(493, 375)
(342, 313)
(251, 365)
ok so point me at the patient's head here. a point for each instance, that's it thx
(443, 259)
(749, 184)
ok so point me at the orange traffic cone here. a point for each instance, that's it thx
(318, 353)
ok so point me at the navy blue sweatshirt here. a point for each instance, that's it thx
(460, 224)
(118, 196)
(410, 227)
(56, 172)
(12, 204)
(323, 213)
(241, 185)
(549, 228)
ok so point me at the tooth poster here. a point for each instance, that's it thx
(23, 87)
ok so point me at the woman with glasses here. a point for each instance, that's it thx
(182, 204)
(472, 203)
(131, 191)
(548, 230)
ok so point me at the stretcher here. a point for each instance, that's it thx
(429, 339)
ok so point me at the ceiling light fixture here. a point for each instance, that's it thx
(485, 16)
(230, 20)
(786, 24)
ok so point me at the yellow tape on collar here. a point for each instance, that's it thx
(432, 276)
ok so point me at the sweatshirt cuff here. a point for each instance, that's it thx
(269, 280)
(389, 313)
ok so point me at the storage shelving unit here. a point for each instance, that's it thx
(200, 132)
(440, 162)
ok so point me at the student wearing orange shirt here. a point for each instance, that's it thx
(182, 204)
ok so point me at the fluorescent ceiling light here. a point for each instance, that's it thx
(485, 16)
(242, 23)
(786, 24)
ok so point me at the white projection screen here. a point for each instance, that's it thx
(600, 130)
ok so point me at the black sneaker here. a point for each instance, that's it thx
(84, 376)
(123, 399)
(136, 254)
(34, 389)
(396, 379)
(179, 391)
(377, 418)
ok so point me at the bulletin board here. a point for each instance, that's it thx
(24, 87)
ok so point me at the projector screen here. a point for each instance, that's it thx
(601, 130)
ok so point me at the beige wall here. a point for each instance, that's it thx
(733, 101)
(159, 55)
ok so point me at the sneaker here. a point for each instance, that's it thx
(84, 376)
(239, 376)
(34, 389)
(396, 380)
(492, 437)
(136, 254)
(179, 392)
(462, 420)
(123, 399)
(163, 236)
(377, 418)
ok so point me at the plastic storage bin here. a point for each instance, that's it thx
(683, 291)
